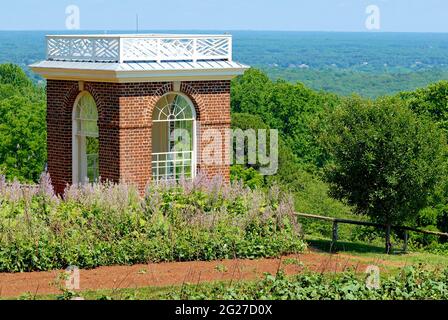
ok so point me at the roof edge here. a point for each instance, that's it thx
(137, 76)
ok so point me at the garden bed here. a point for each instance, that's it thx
(108, 224)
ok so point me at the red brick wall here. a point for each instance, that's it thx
(60, 94)
(107, 97)
(136, 103)
(212, 100)
(125, 124)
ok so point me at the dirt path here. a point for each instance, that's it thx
(177, 273)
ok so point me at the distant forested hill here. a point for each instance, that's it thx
(370, 64)
(370, 84)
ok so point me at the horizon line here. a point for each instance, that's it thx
(221, 30)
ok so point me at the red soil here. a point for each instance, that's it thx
(177, 273)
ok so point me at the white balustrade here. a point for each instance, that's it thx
(139, 48)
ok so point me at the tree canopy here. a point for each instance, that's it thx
(386, 160)
(22, 126)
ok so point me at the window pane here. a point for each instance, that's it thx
(92, 150)
(160, 134)
(86, 122)
(87, 116)
(88, 110)
(173, 107)
(173, 138)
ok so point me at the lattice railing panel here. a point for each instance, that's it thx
(136, 49)
(217, 48)
(139, 48)
(176, 49)
(58, 48)
(107, 50)
(83, 49)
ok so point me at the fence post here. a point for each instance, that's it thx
(405, 244)
(335, 236)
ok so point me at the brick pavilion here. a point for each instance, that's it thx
(115, 103)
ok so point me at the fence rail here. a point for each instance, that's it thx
(337, 221)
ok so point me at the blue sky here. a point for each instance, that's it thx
(297, 15)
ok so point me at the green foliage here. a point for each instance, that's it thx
(250, 92)
(364, 82)
(412, 283)
(387, 160)
(104, 225)
(310, 193)
(431, 101)
(433, 247)
(22, 126)
(249, 176)
(245, 121)
(13, 75)
(248, 123)
(290, 108)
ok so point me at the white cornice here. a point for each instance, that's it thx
(116, 74)
(124, 77)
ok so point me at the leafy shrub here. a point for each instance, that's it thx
(108, 224)
(310, 193)
(412, 283)
(248, 176)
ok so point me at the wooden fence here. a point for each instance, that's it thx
(337, 221)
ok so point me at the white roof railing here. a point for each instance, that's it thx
(138, 48)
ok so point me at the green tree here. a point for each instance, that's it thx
(22, 139)
(250, 93)
(386, 162)
(22, 126)
(12, 74)
(431, 101)
(310, 193)
(290, 108)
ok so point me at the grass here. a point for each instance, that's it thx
(147, 293)
(376, 253)
(345, 246)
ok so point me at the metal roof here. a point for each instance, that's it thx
(126, 58)
(142, 66)
(139, 71)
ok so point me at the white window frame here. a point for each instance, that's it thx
(79, 154)
(193, 152)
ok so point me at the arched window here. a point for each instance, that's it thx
(173, 138)
(85, 140)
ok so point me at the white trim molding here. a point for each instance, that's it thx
(71, 71)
